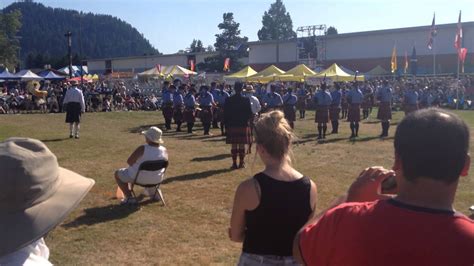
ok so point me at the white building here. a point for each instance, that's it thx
(365, 50)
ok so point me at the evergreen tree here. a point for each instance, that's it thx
(101, 36)
(196, 47)
(10, 24)
(276, 23)
(228, 45)
(331, 31)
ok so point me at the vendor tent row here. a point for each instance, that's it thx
(301, 73)
(28, 75)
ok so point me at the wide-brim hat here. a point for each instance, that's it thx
(35, 193)
(153, 134)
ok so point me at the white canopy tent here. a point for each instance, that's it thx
(27, 75)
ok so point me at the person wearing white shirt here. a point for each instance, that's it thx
(255, 106)
(75, 106)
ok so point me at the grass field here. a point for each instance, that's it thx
(199, 187)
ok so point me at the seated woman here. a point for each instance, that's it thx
(270, 208)
(151, 151)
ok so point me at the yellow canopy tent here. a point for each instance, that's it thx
(95, 77)
(298, 73)
(336, 74)
(377, 71)
(268, 74)
(241, 74)
(176, 70)
(153, 72)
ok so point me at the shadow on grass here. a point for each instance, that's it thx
(141, 128)
(105, 214)
(365, 139)
(218, 138)
(194, 176)
(211, 158)
(54, 140)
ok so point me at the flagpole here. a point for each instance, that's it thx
(434, 59)
(457, 84)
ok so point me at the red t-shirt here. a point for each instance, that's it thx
(388, 233)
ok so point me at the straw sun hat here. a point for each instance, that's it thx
(153, 134)
(35, 193)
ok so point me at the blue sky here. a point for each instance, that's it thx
(171, 25)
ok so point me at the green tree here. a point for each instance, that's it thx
(10, 24)
(331, 31)
(276, 23)
(196, 47)
(228, 45)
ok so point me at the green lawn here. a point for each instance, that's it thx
(199, 187)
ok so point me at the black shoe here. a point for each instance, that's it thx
(77, 136)
(71, 136)
(234, 166)
(353, 136)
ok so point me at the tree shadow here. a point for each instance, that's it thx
(105, 214)
(211, 158)
(195, 176)
(53, 140)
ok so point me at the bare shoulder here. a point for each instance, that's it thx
(247, 186)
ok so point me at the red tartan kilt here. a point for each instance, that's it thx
(353, 114)
(290, 113)
(322, 115)
(301, 104)
(167, 112)
(385, 112)
(410, 108)
(206, 115)
(189, 116)
(238, 135)
(334, 113)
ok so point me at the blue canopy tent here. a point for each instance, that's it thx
(6, 75)
(50, 75)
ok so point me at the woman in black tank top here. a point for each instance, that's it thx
(271, 207)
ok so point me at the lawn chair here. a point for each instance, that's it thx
(151, 166)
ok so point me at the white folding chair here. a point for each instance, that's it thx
(152, 166)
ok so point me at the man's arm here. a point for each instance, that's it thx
(136, 155)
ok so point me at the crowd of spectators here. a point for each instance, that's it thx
(133, 96)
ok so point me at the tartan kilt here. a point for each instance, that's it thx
(301, 103)
(290, 112)
(334, 111)
(366, 104)
(385, 111)
(167, 110)
(189, 115)
(410, 108)
(353, 114)
(218, 114)
(178, 113)
(344, 105)
(73, 112)
(206, 114)
(322, 114)
(238, 135)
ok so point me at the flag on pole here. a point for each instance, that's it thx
(406, 63)
(394, 60)
(458, 38)
(433, 33)
(191, 65)
(462, 57)
(227, 64)
(158, 67)
(413, 62)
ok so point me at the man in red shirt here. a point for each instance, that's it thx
(419, 225)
